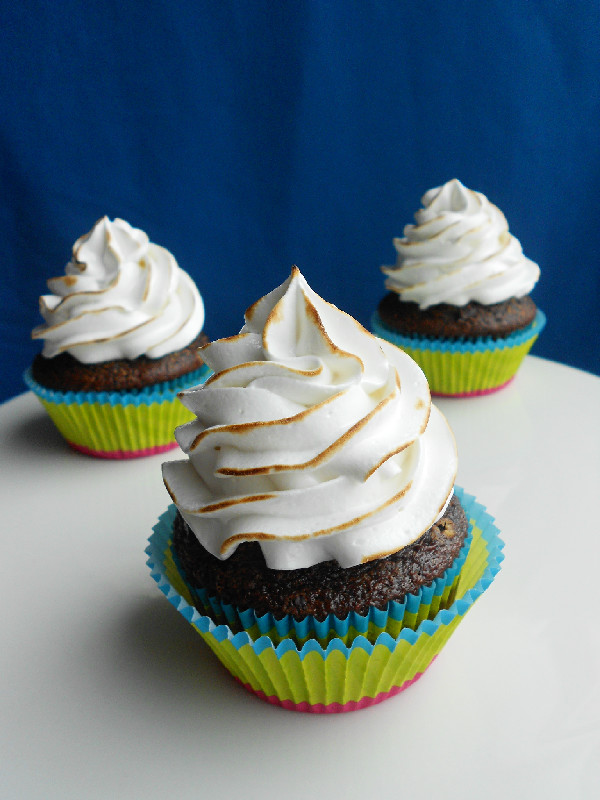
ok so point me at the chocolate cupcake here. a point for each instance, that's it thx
(243, 580)
(458, 299)
(122, 336)
(315, 517)
(65, 373)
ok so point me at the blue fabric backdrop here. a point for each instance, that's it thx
(250, 136)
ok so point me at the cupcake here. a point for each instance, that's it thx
(316, 539)
(458, 299)
(122, 334)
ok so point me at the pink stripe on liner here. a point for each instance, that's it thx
(334, 708)
(123, 454)
(478, 392)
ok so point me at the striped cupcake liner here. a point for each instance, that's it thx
(461, 368)
(358, 666)
(119, 425)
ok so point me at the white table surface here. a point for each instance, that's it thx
(106, 691)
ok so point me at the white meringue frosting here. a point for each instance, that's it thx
(313, 437)
(121, 297)
(459, 251)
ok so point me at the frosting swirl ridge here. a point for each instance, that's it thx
(459, 251)
(121, 297)
(313, 437)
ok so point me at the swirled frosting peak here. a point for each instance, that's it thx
(313, 437)
(120, 297)
(459, 251)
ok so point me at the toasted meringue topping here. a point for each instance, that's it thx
(459, 251)
(313, 438)
(121, 297)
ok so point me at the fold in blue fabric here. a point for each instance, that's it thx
(250, 136)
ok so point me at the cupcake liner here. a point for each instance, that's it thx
(462, 368)
(119, 424)
(341, 675)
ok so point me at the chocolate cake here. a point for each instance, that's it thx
(244, 580)
(65, 373)
(447, 321)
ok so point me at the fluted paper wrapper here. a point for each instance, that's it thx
(356, 667)
(120, 424)
(460, 368)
